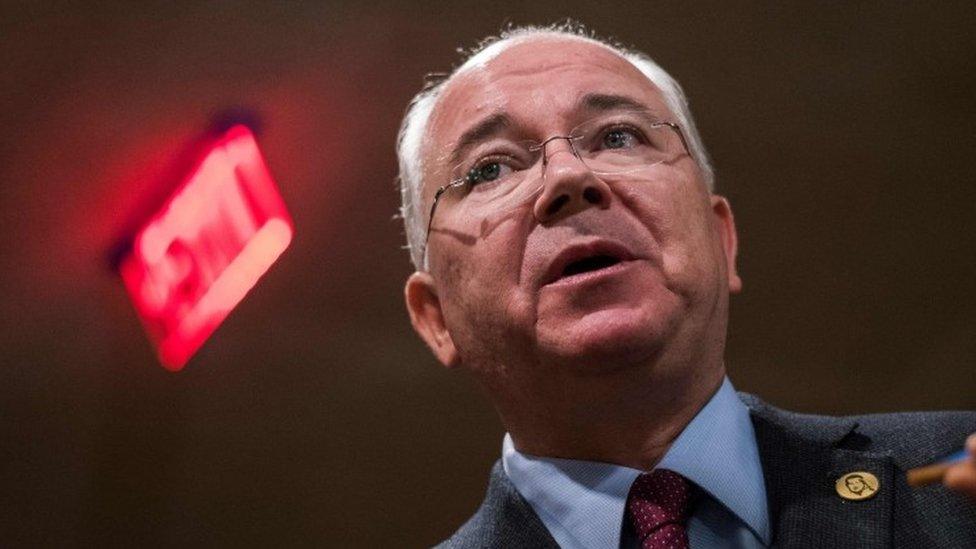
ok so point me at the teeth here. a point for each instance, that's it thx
(590, 264)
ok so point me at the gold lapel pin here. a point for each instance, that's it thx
(857, 486)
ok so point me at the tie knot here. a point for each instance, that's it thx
(658, 508)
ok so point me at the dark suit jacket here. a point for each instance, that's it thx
(802, 457)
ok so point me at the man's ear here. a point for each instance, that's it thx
(427, 317)
(725, 224)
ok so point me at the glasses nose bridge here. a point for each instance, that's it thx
(546, 148)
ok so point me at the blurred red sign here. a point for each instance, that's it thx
(198, 256)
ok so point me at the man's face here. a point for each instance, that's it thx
(855, 485)
(507, 303)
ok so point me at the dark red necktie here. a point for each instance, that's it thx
(657, 506)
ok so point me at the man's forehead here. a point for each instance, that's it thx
(516, 74)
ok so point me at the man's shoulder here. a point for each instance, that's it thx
(912, 438)
(804, 455)
(504, 519)
(915, 438)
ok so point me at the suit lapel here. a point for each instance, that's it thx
(511, 520)
(802, 458)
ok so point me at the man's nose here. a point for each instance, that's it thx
(568, 185)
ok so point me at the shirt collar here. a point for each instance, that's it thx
(717, 451)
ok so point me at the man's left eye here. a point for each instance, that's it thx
(620, 139)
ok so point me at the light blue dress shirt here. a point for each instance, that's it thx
(582, 502)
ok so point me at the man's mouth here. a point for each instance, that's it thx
(583, 259)
(588, 264)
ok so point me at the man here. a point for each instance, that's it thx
(572, 257)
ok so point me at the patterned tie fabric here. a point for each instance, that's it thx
(657, 506)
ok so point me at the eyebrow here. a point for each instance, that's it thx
(488, 127)
(610, 102)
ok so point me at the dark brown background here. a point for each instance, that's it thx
(313, 416)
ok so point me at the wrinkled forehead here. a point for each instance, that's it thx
(536, 81)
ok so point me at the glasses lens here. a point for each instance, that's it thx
(619, 145)
(493, 175)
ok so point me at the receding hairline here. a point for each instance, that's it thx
(493, 51)
(483, 58)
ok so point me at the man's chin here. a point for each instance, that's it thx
(601, 340)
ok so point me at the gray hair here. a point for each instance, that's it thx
(413, 129)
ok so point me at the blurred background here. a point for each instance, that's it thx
(313, 416)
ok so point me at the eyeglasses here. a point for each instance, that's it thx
(500, 174)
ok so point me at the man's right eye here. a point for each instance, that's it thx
(486, 172)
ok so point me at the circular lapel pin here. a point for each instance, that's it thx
(857, 486)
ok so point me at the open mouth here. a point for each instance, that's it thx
(585, 259)
(589, 264)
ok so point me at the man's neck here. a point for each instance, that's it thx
(627, 420)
